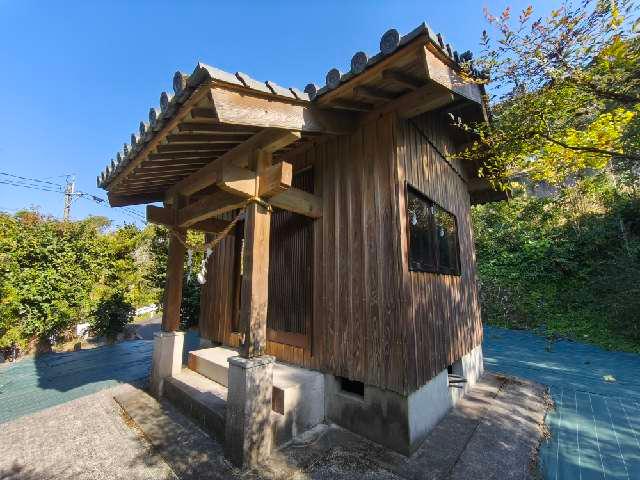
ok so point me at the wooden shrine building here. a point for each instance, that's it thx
(344, 242)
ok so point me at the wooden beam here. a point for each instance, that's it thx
(207, 207)
(210, 154)
(298, 201)
(203, 113)
(175, 270)
(424, 99)
(275, 179)
(166, 216)
(161, 215)
(269, 140)
(446, 76)
(238, 180)
(402, 78)
(352, 105)
(373, 93)
(246, 109)
(255, 269)
(119, 200)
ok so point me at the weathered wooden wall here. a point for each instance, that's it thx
(373, 320)
(443, 308)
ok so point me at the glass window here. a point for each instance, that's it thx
(433, 236)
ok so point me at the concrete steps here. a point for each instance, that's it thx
(199, 398)
(189, 451)
(212, 363)
(200, 391)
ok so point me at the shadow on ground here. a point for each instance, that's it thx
(46, 380)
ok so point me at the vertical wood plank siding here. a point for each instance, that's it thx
(291, 266)
(443, 308)
(373, 320)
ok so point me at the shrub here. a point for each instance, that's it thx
(111, 315)
(569, 264)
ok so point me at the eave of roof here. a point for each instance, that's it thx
(390, 41)
(185, 85)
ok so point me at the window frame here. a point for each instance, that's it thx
(435, 255)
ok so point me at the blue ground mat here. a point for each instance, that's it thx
(595, 428)
(36, 383)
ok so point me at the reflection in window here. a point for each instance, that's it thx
(433, 236)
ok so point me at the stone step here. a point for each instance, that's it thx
(298, 393)
(212, 363)
(201, 399)
(189, 451)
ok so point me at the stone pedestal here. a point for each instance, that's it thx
(167, 358)
(248, 416)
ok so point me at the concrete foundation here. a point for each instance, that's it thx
(297, 402)
(397, 421)
(248, 433)
(167, 359)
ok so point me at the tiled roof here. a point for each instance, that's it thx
(184, 85)
(389, 43)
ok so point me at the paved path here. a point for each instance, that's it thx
(595, 429)
(36, 383)
(84, 439)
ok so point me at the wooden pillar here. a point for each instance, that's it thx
(173, 286)
(255, 271)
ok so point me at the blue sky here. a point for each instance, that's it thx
(78, 76)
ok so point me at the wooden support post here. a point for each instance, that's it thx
(255, 278)
(173, 286)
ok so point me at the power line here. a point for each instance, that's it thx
(31, 179)
(32, 187)
(96, 199)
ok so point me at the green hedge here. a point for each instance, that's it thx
(55, 274)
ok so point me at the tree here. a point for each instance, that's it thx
(566, 91)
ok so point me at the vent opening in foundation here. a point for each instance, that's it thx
(351, 386)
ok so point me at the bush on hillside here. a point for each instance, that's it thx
(568, 264)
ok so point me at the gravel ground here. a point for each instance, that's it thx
(82, 439)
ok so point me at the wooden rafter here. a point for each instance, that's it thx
(217, 127)
(210, 138)
(402, 78)
(195, 98)
(209, 154)
(373, 93)
(195, 147)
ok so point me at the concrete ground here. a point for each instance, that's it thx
(86, 438)
(493, 433)
(595, 427)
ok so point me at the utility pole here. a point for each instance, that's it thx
(69, 190)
